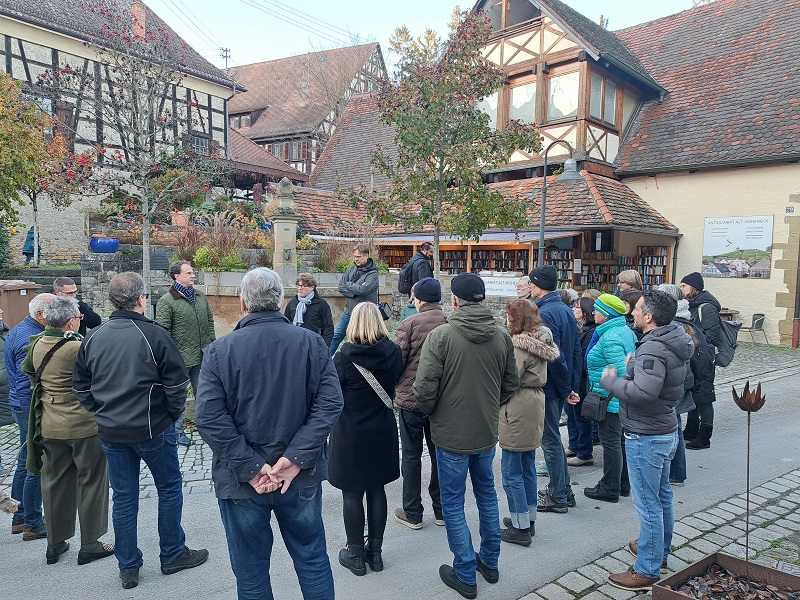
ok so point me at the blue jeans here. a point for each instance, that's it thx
(677, 469)
(649, 457)
(249, 534)
(553, 451)
(25, 486)
(160, 454)
(519, 481)
(339, 331)
(453, 469)
(580, 431)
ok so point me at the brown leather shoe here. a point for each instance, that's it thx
(633, 548)
(632, 581)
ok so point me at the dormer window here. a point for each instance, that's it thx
(238, 121)
(562, 96)
(488, 105)
(603, 99)
(522, 103)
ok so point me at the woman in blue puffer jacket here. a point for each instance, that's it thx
(611, 343)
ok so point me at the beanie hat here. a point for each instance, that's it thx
(545, 277)
(428, 289)
(695, 280)
(610, 306)
(468, 286)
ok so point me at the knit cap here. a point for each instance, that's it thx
(428, 289)
(695, 280)
(610, 306)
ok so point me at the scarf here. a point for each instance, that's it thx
(188, 293)
(302, 304)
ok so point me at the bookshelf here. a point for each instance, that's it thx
(499, 260)
(453, 261)
(562, 260)
(395, 258)
(652, 263)
(600, 270)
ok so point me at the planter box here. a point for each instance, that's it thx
(223, 278)
(662, 590)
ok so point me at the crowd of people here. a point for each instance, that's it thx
(350, 404)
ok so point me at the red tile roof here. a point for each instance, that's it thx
(296, 93)
(732, 97)
(248, 155)
(323, 213)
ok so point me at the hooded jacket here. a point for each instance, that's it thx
(410, 336)
(615, 341)
(317, 317)
(706, 317)
(466, 371)
(359, 284)
(522, 417)
(420, 267)
(563, 374)
(653, 382)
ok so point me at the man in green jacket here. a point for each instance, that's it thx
(466, 371)
(185, 313)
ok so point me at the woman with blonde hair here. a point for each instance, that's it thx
(363, 443)
(522, 419)
(629, 280)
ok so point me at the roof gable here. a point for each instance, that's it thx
(296, 93)
(732, 99)
(245, 153)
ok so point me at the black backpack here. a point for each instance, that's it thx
(405, 276)
(728, 339)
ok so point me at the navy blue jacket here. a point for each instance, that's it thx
(19, 384)
(564, 373)
(267, 389)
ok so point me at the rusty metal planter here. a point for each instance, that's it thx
(662, 590)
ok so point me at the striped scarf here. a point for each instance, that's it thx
(188, 293)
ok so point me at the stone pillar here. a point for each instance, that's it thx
(284, 227)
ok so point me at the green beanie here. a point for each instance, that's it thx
(610, 306)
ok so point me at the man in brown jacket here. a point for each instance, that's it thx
(414, 424)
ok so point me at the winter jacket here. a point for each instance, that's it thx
(564, 373)
(701, 365)
(317, 317)
(584, 337)
(614, 343)
(5, 409)
(466, 371)
(409, 308)
(129, 373)
(420, 267)
(410, 336)
(190, 325)
(364, 449)
(653, 381)
(706, 317)
(268, 389)
(90, 318)
(359, 284)
(19, 385)
(522, 417)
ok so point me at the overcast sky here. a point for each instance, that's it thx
(258, 30)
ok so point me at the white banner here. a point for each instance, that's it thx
(501, 286)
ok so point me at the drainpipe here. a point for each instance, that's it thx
(796, 319)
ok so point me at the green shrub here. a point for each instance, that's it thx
(232, 262)
(342, 264)
(5, 250)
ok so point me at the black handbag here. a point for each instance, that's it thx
(385, 310)
(594, 407)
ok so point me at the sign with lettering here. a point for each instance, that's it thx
(497, 285)
(738, 247)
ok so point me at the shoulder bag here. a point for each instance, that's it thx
(375, 385)
(594, 407)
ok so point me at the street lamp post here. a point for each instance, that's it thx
(570, 175)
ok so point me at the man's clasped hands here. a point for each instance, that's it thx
(270, 478)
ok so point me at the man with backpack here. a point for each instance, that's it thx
(704, 309)
(418, 267)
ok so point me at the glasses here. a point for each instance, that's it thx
(78, 316)
(303, 285)
(73, 293)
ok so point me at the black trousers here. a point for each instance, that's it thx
(414, 427)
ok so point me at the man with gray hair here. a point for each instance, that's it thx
(267, 400)
(25, 487)
(130, 375)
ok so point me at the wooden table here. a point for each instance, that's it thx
(728, 314)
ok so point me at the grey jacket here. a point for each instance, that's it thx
(359, 284)
(653, 382)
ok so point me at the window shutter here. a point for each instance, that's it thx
(286, 149)
(304, 150)
(65, 123)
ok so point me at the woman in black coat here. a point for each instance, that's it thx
(364, 451)
(316, 316)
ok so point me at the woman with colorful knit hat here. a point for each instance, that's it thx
(611, 343)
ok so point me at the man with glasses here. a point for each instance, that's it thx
(131, 377)
(358, 284)
(65, 286)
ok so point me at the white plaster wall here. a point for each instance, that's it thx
(686, 199)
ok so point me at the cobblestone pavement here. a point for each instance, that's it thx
(752, 361)
(774, 541)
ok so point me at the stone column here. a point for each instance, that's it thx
(284, 227)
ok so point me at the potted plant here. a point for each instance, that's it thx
(720, 575)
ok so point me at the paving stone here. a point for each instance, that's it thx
(788, 504)
(766, 515)
(706, 546)
(531, 596)
(616, 593)
(732, 508)
(678, 540)
(777, 487)
(793, 517)
(766, 561)
(756, 543)
(676, 564)
(764, 492)
(554, 592)
(697, 523)
(738, 501)
(689, 554)
(594, 573)
(624, 556)
(778, 529)
(787, 524)
(611, 564)
(756, 499)
(765, 534)
(728, 516)
(782, 554)
(736, 550)
(787, 482)
(592, 596)
(575, 582)
(716, 538)
(711, 518)
(686, 531)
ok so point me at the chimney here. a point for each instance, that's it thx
(138, 19)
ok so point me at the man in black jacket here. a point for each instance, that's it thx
(130, 375)
(421, 263)
(65, 286)
(268, 398)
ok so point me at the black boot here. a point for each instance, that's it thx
(690, 431)
(703, 439)
(372, 554)
(352, 557)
